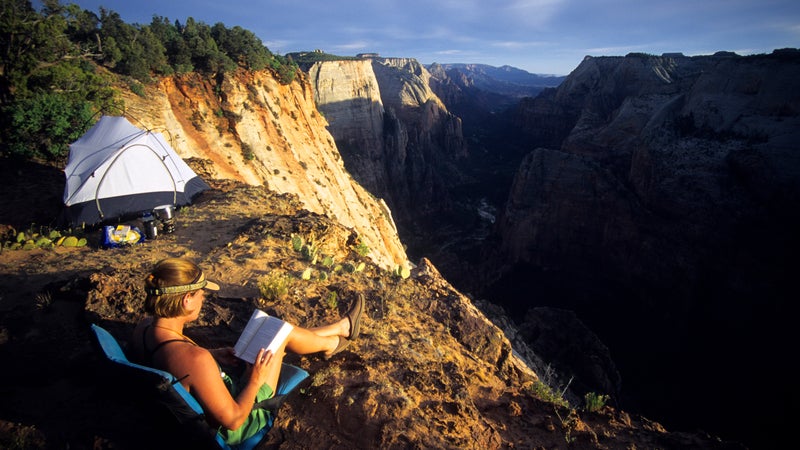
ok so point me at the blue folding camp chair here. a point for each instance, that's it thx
(179, 402)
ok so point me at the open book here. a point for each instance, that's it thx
(261, 331)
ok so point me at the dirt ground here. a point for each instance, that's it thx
(55, 387)
(429, 371)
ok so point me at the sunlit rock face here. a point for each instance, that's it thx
(395, 135)
(256, 130)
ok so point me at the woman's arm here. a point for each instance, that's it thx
(225, 356)
(205, 384)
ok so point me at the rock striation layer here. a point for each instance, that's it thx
(396, 137)
(259, 131)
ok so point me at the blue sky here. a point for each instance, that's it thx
(540, 36)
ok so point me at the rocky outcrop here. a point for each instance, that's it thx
(395, 135)
(572, 350)
(664, 158)
(661, 204)
(259, 131)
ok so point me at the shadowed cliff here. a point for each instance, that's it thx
(661, 204)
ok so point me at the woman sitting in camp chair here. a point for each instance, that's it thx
(175, 294)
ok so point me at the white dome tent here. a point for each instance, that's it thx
(116, 170)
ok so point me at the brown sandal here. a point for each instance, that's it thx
(354, 316)
(343, 343)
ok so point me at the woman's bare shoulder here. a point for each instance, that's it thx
(191, 357)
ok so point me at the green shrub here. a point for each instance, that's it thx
(402, 272)
(595, 402)
(274, 286)
(297, 242)
(546, 393)
(362, 248)
(43, 125)
(332, 300)
(137, 88)
(247, 152)
(309, 252)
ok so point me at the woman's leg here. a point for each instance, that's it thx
(304, 341)
(340, 328)
(330, 338)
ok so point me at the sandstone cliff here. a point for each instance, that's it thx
(395, 136)
(256, 130)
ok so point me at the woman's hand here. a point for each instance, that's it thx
(260, 370)
(225, 356)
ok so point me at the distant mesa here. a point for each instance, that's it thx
(368, 55)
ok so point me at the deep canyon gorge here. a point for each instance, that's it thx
(656, 197)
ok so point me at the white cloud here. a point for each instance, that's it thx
(520, 45)
(277, 44)
(793, 29)
(448, 52)
(351, 46)
(532, 6)
(533, 13)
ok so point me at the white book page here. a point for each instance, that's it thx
(249, 331)
(270, 334)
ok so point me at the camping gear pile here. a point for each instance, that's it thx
(166, 215)
(163, 216)
(120, 235)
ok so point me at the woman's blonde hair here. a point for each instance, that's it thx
(169, 272)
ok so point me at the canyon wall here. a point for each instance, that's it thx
(661, 203)
(259, 131)
(395, 135)
(665, 164)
